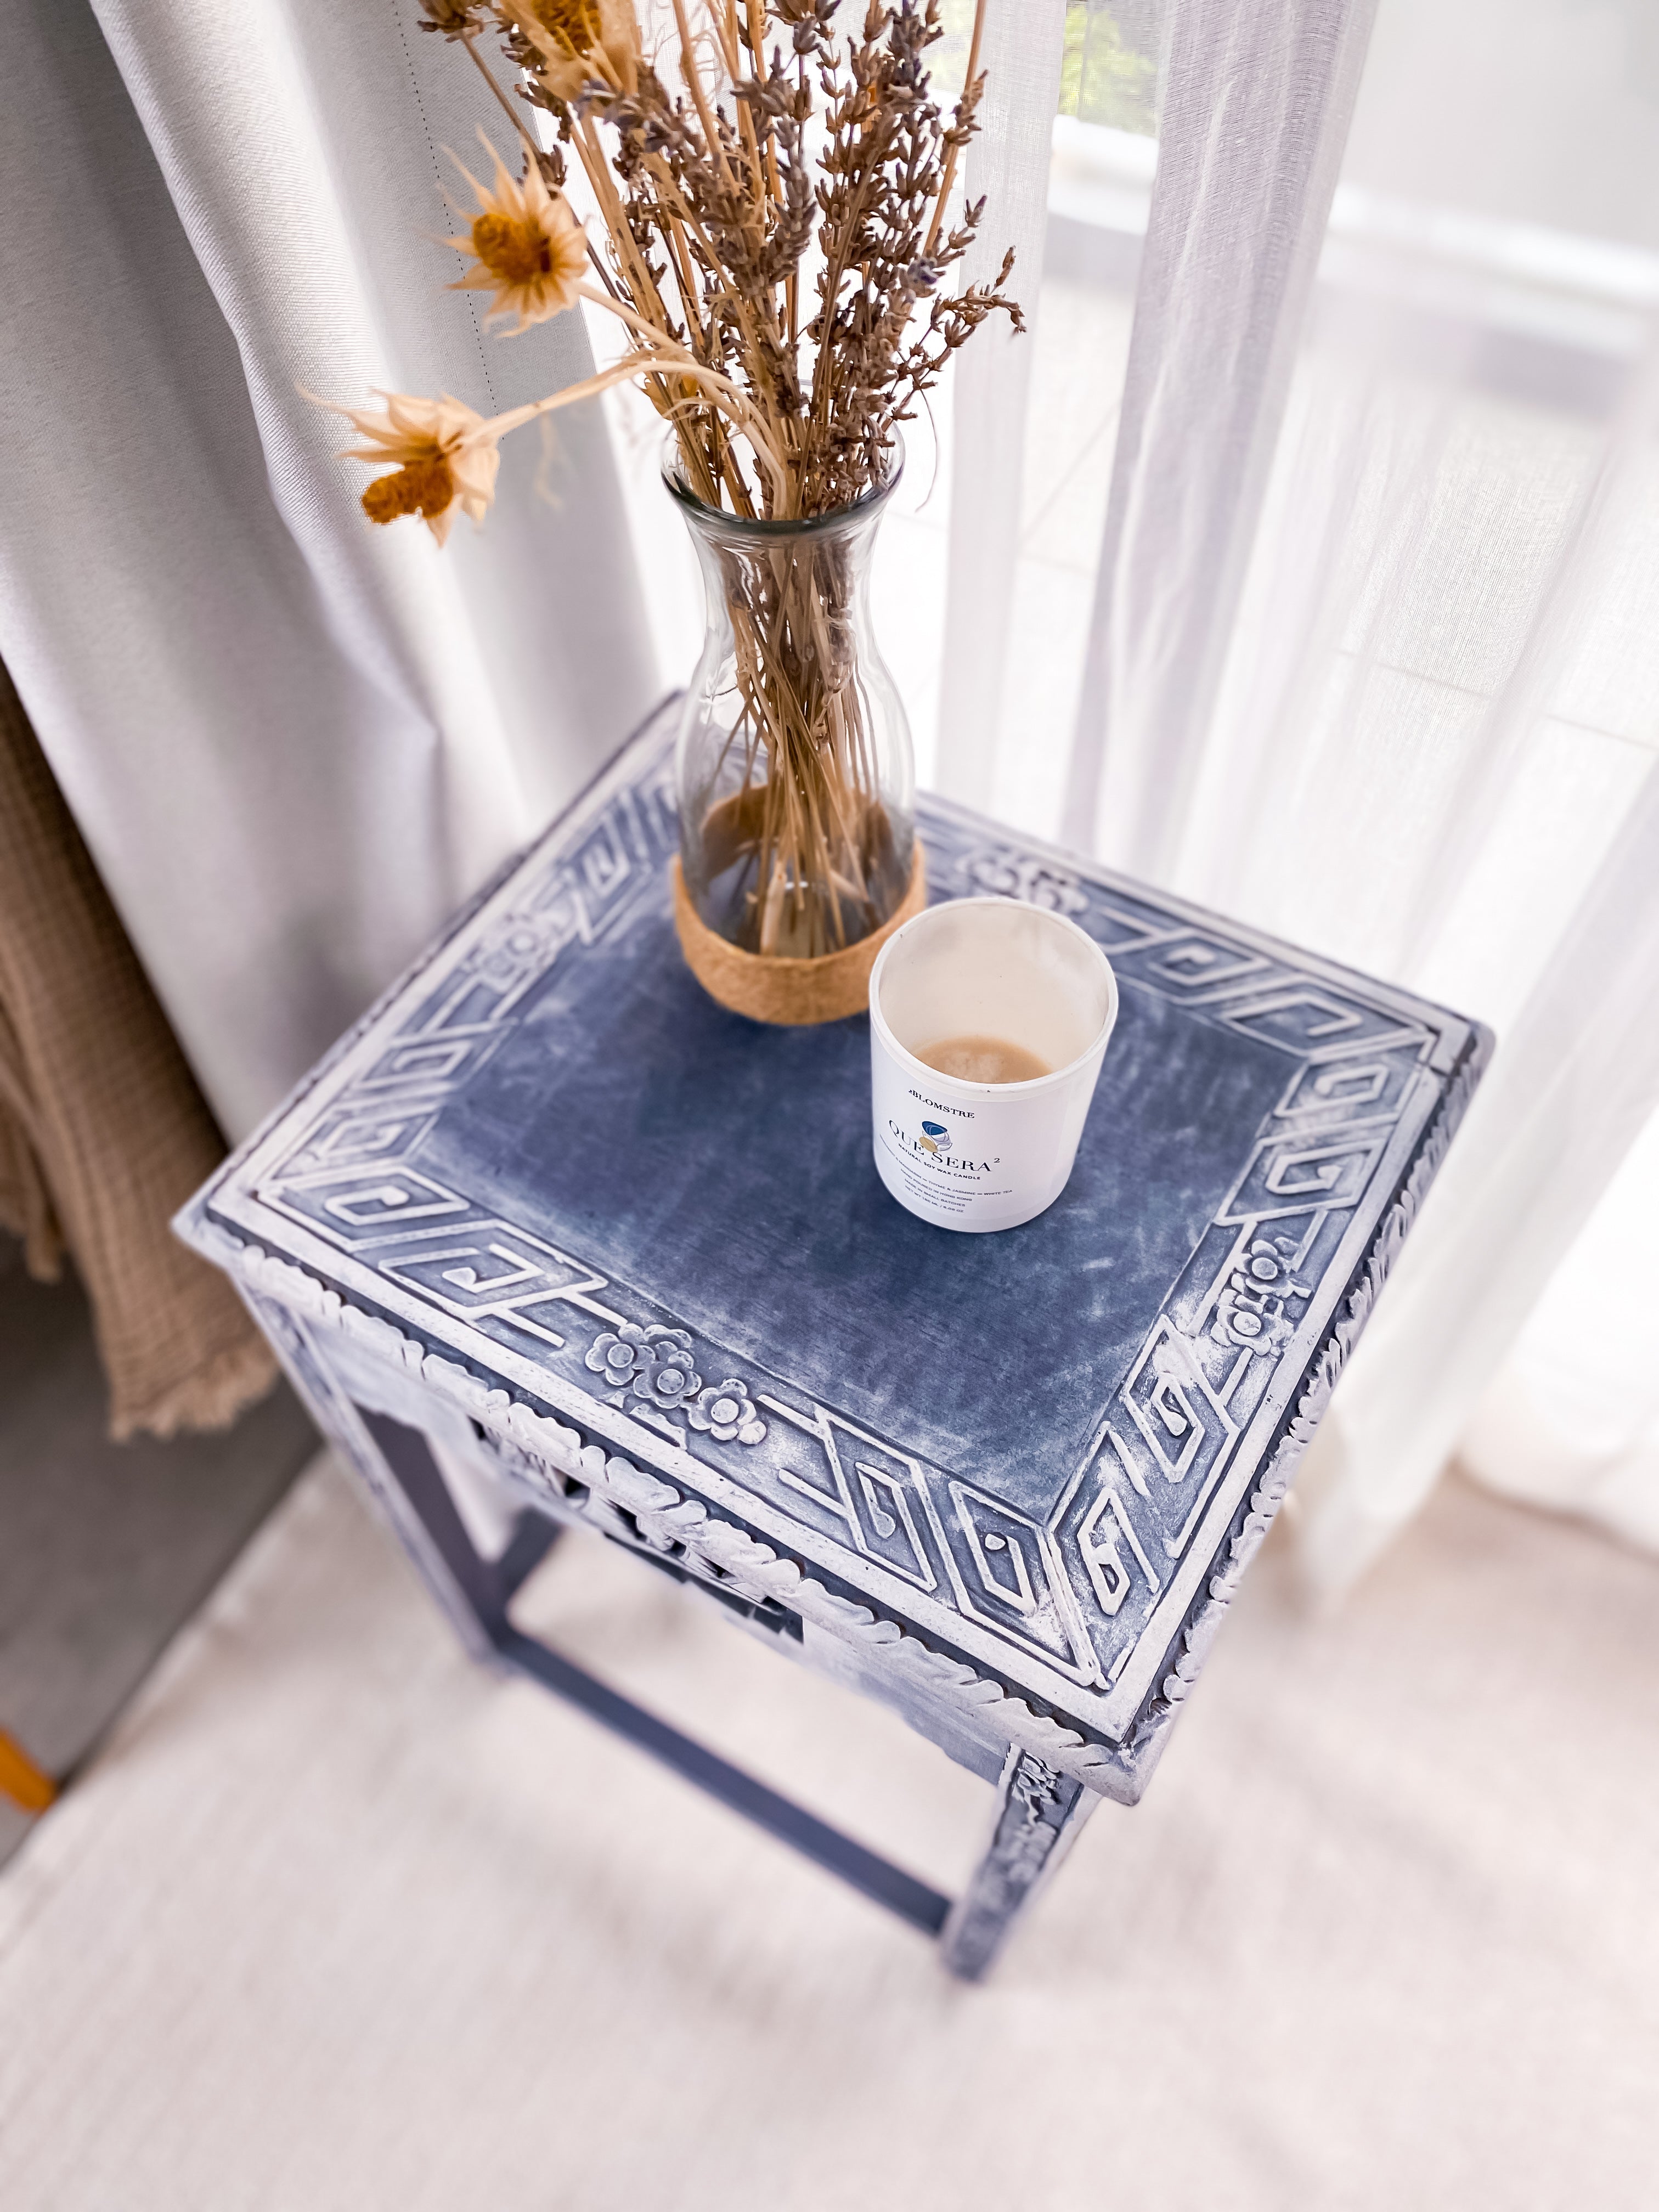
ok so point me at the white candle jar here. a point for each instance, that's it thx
(965, 980)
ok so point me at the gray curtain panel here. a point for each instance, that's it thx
(292, 742)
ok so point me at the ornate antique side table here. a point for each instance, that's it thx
(550, 1238)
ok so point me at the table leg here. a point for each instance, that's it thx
(1039, 1810)
(394, 1459)
(1039, 1813)
(394, 1463)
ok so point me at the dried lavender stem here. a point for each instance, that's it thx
(971, 102)
(502, 101)
(693, 76)
(711, 199)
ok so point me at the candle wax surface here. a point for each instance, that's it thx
(983, 1060)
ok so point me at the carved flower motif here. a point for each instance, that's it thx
(1267, 1263)
(726, 1411)
(1251, 1312)
(653, 1364)
(1247, 1328)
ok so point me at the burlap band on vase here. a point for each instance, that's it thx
(792, 992)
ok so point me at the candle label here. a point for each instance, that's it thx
(931, 1142)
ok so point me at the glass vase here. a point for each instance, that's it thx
(796, 779)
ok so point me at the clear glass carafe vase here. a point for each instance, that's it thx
(795, 774)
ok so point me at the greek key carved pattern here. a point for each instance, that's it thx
(552, 1452)
(1084, 1590)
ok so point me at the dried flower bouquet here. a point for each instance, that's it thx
(778, 201)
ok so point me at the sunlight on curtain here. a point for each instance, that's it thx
(1439, 717)
(1572, 1419)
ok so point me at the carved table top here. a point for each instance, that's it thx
(551, 1173)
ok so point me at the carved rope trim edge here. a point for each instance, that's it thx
(1144, 1743)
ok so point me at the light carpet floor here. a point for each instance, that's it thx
(339, 1921)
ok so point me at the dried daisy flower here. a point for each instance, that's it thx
(445, 458)
(580, 42)
(527, 247)
(779, 223)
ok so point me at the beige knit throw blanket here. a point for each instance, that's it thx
(103, 1133)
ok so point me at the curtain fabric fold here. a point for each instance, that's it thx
(1574, 1081)
(1254, 113)
(1007, 165)
(1569, 1092)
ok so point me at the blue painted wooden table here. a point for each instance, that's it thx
(550, 1238)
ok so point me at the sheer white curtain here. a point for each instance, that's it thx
(1396, 695)
(293, 743)
(1007, 168)
(1254, 113)
(1431, 752)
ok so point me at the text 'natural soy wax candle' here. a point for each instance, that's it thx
(988, 1022)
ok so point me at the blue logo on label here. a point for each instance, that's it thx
(935, 1137)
